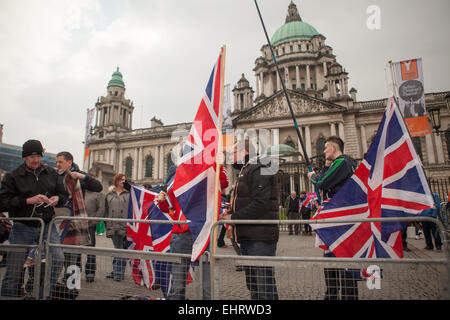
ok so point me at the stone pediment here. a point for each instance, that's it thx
(276, 107)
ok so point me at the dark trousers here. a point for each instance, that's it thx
(91, 260)
(307, 225)
(221, 239)
(293, 215)
(260, 280)
(430, 231)
(337, 279)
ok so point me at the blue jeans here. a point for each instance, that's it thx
(14, 276)
(260, 280)
(182, 243)
(119, 264)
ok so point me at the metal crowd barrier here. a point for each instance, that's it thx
(104, 288)
(29, 276)
(303, 277)
(298, 273)
(443, 214)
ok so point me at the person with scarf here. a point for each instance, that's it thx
(67, 167)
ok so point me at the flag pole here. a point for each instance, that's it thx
(219, 149)
(308, 162)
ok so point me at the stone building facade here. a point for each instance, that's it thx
(323, 105)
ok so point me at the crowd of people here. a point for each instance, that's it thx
(34, 190)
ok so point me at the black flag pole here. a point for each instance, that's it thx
(308, 162)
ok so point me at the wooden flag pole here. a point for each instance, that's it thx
(219, 149)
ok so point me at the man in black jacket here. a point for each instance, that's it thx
(31, 190)
(65, 164)
(255, 197)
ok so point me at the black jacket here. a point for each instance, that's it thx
(255, 198)
(334, 178)
(22, 183)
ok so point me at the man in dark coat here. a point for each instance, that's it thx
(255, 198)
(31, 190)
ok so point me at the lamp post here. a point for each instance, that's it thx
(435, 116)
(447, 101)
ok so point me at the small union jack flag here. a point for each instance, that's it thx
(148, 237)
(389, 182)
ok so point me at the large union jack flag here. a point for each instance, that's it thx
(195, 178)
(148, 237)
(389, 182)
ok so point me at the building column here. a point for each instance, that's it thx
(297, 77)
(308, 141)
(332, 129)
(161, 162)
(275, 133)
(341, 131)
(439, 148)
(257, 85)
(278, 81)
(291, 183)
(140, 168)
(136, 164)
(121, 160)
(324, 64)
(429, 147)
(113, 158)
(308, 80)
(262, 82)
(363, 140)
(156, 175)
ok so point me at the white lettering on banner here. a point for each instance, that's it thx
(407, 64)
(374, 282)
(74, 280)
(374, 20)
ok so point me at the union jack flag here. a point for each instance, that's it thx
(311, 197)
(195, 179)
(389, 182)
(148, 237)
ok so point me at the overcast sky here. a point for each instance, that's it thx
(57, 56)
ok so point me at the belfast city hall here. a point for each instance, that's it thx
(324, 105)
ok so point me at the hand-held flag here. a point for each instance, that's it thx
(389, 182)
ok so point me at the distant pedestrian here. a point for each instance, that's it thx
(116, 206)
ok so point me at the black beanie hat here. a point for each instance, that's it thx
(31, 147)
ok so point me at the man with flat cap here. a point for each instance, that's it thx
(31, 190)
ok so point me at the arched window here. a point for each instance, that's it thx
(128, 167)
(149, 166)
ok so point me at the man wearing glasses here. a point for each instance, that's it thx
(30, 190)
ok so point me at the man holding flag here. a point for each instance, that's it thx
(389, 182)
(331, 181)
(194, 194)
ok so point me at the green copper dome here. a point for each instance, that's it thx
(293, 31)
(116, 80)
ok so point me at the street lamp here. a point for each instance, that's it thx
(447, 101)
(435, 116)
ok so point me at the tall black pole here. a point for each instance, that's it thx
(308, 163)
